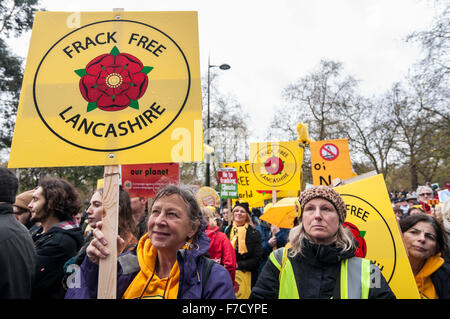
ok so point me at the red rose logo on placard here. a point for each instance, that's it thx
(361, 251)
(114, 81)
(274, 165)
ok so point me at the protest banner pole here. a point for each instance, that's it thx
(301, 144)
(274, 195)
(107, 276)
(107, 273)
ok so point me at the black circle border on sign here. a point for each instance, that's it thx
(390, 232)
(296, 167)
(123, 148)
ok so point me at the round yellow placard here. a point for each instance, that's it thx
(121, 83)
(207, 196)
(274, 164)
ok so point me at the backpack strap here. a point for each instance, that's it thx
(130, 247)
(226, 229)
(206, 270)
(129, 263)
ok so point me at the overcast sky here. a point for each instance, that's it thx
(270, 44)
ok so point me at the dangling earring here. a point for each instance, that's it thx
(188, 244)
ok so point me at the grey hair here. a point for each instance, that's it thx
(424, 187)
(446, 210)
(194, 212)
(343, 239)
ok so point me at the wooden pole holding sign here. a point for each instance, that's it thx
(107, 273)
(107, 276)
(274, 195)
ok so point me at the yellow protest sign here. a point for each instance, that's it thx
(113, 88)
(276, 165)
(207, 196)
(330, 159)
(246, 192)
(372, 221)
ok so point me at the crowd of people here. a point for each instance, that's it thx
(171, 248)
(424, 200)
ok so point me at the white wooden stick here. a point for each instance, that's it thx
(107, 276)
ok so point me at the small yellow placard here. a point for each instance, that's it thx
(373, 223)
(116, 88)
(276, 165)
(207, 196)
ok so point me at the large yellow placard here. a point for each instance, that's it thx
(373, 222)
(276, 165)
(246, 191)
(330, 159)
(113, 88)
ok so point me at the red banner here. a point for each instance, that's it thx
(144, 180)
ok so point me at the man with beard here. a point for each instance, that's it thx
(17, 254)
(54, 204)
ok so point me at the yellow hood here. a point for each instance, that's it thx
(147, 284)
(423, 280)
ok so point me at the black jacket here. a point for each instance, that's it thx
(17, 257)
(317, 274)
(441, 281)
(54, 248)
(251, 260)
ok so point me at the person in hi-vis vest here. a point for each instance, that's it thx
(319, 260)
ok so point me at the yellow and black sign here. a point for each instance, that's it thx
(246, 191)
(373, 224)
(118, 88)
(276, 165)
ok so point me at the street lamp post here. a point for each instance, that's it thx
(208, 137)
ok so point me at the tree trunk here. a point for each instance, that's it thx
(413, 173)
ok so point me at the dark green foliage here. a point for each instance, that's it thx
(16, 17)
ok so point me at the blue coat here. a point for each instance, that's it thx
(218, 286)
(282, 239)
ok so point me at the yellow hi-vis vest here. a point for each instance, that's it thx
(355, 277)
